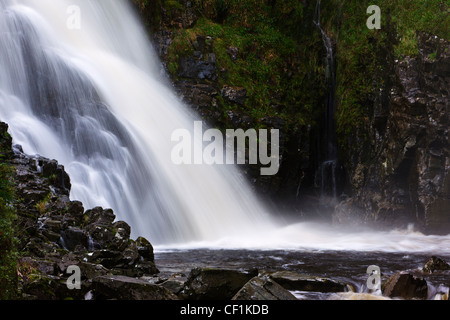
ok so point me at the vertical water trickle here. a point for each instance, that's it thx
(329, 170)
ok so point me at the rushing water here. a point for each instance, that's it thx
(93, 98)
(349, 267)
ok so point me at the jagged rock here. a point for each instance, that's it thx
(129, 256)
(105, 257)
(121, 236)
(214, 283)
(145, 248)
(100, 216)
(145, 268)
(127, 288)
(435, 264)
(293, 281)
(263, 288)
(175, 282)
(56, 173)
(123, 229)
(73, 236)
(406, 286)
(90, 271)
(76, 210)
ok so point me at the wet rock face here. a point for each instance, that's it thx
(408, 179)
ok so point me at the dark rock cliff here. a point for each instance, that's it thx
(408, 179)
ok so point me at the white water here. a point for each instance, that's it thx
(306, 236)
(94, 100)
(109, 120)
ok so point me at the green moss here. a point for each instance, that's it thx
(276, 65)
(8, 250)
(364, 56)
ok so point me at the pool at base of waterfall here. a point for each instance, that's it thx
(348, 267)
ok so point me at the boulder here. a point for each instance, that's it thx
(73, 236)
(75, 209)
(101, 236)
(405, 285)
(117, 236)
(56, 174)
(435, 264)
(100, 216)
(293, 281)
(215, 283)
(175, 282)
(127, 288)
(145, 249)
(263, 288)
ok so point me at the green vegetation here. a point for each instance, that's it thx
(8, 251)
(278, 62)
(365, 57)
(280, 54)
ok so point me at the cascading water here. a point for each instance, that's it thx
(94, 100)
(329, 171)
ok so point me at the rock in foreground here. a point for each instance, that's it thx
(127, 288)
(214, 283)
(263, 288)
(294, 281)
(405, 285)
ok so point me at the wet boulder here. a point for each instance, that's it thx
(128, 288)
(175, 282)
(263, 288)
(145, 249)
(100, 216)
(435, 264)
(294, 281)
(73, 237)
(215, 283)
(75, 210)
(56, 174)
(405, 285)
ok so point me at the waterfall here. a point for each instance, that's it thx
(329, 171)
(92, 97)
